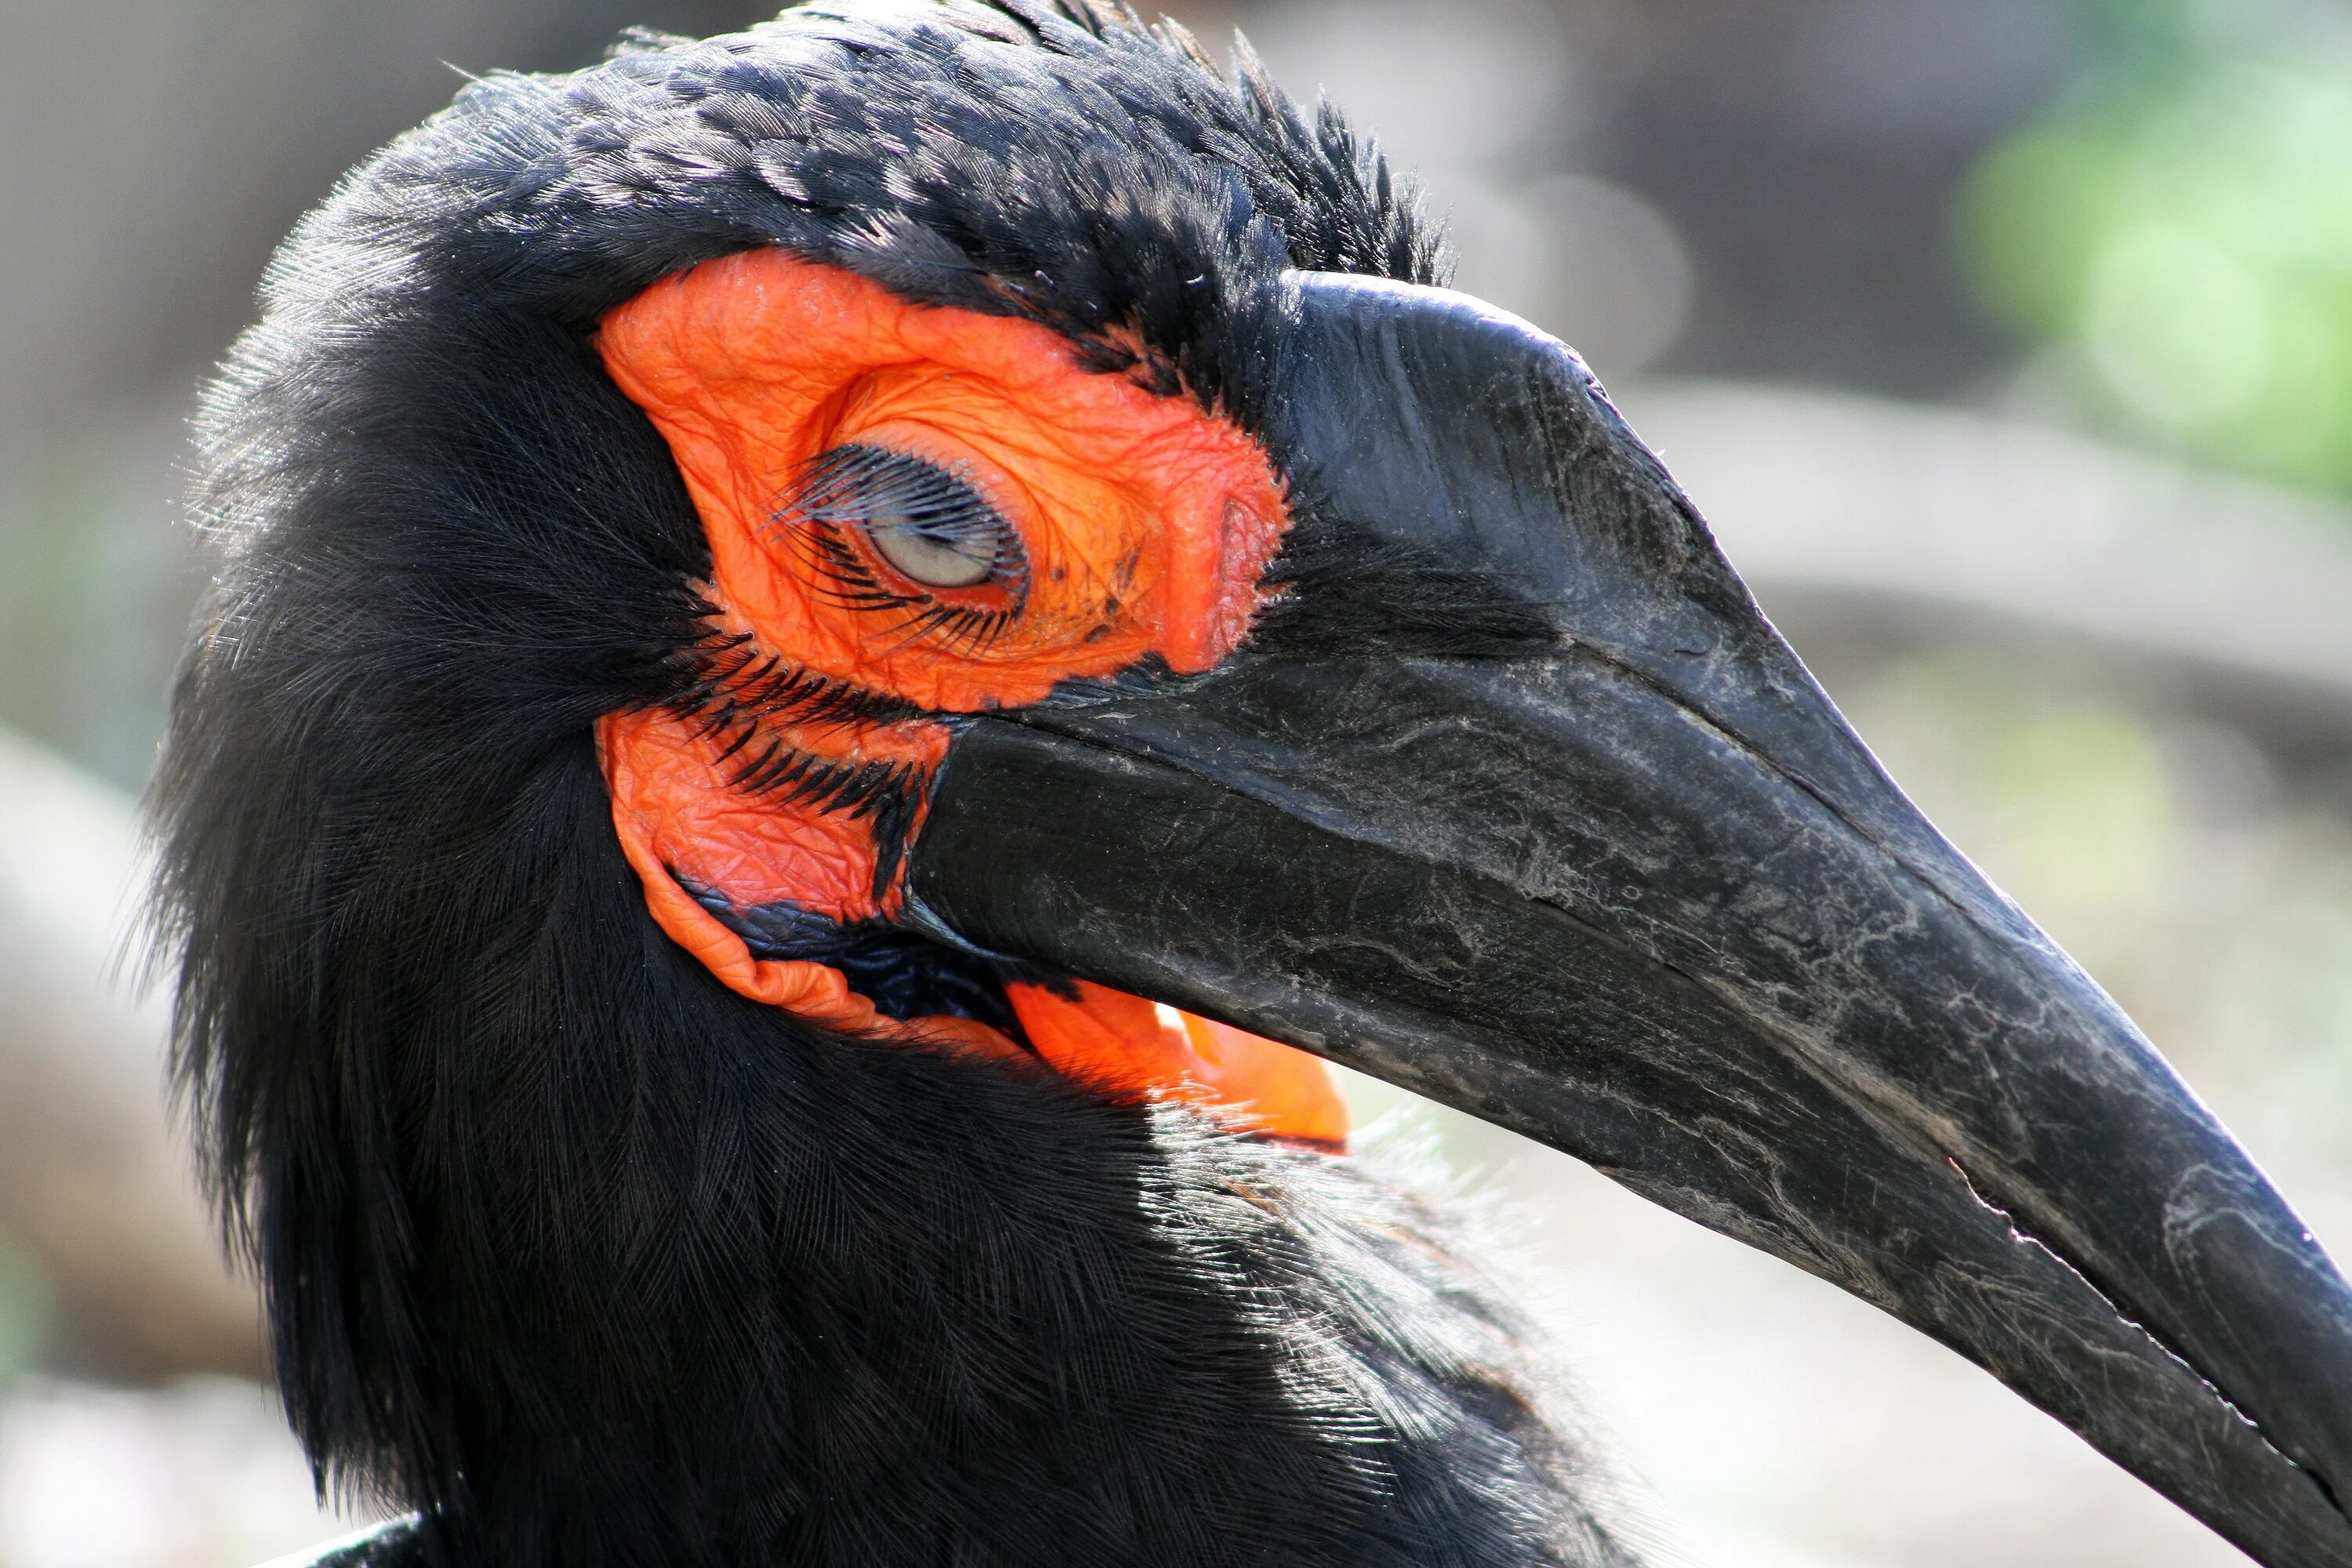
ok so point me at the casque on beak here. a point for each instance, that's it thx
(1633, 888)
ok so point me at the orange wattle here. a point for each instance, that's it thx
(1145, 524)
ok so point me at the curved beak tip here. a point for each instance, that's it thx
(1631, 887)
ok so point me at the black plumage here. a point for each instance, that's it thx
(566, 1246)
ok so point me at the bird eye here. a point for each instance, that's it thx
(934, 557)
(926, 523)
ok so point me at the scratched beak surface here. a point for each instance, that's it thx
(1637, 891)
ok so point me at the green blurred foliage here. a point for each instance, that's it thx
(94, 601)
(2177, 231)
(28, 1309)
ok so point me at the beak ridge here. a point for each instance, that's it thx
(1641, 894)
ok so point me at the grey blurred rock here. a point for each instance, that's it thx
(1858, 519)
(91, 1177)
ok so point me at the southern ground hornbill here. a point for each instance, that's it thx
(786, 601)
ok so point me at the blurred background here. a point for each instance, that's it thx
(2008, 345)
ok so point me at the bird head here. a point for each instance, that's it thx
(815, 623)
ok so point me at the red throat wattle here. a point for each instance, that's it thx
(1136, 525)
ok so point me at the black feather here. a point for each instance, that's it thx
(564, 1244)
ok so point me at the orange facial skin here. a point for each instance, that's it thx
(1144, 521)
(677, 812)
(1119, 1041)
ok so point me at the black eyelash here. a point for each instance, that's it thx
(855, 486)
(732, 682)
(739, 695)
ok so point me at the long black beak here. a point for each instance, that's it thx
(1622, 879)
